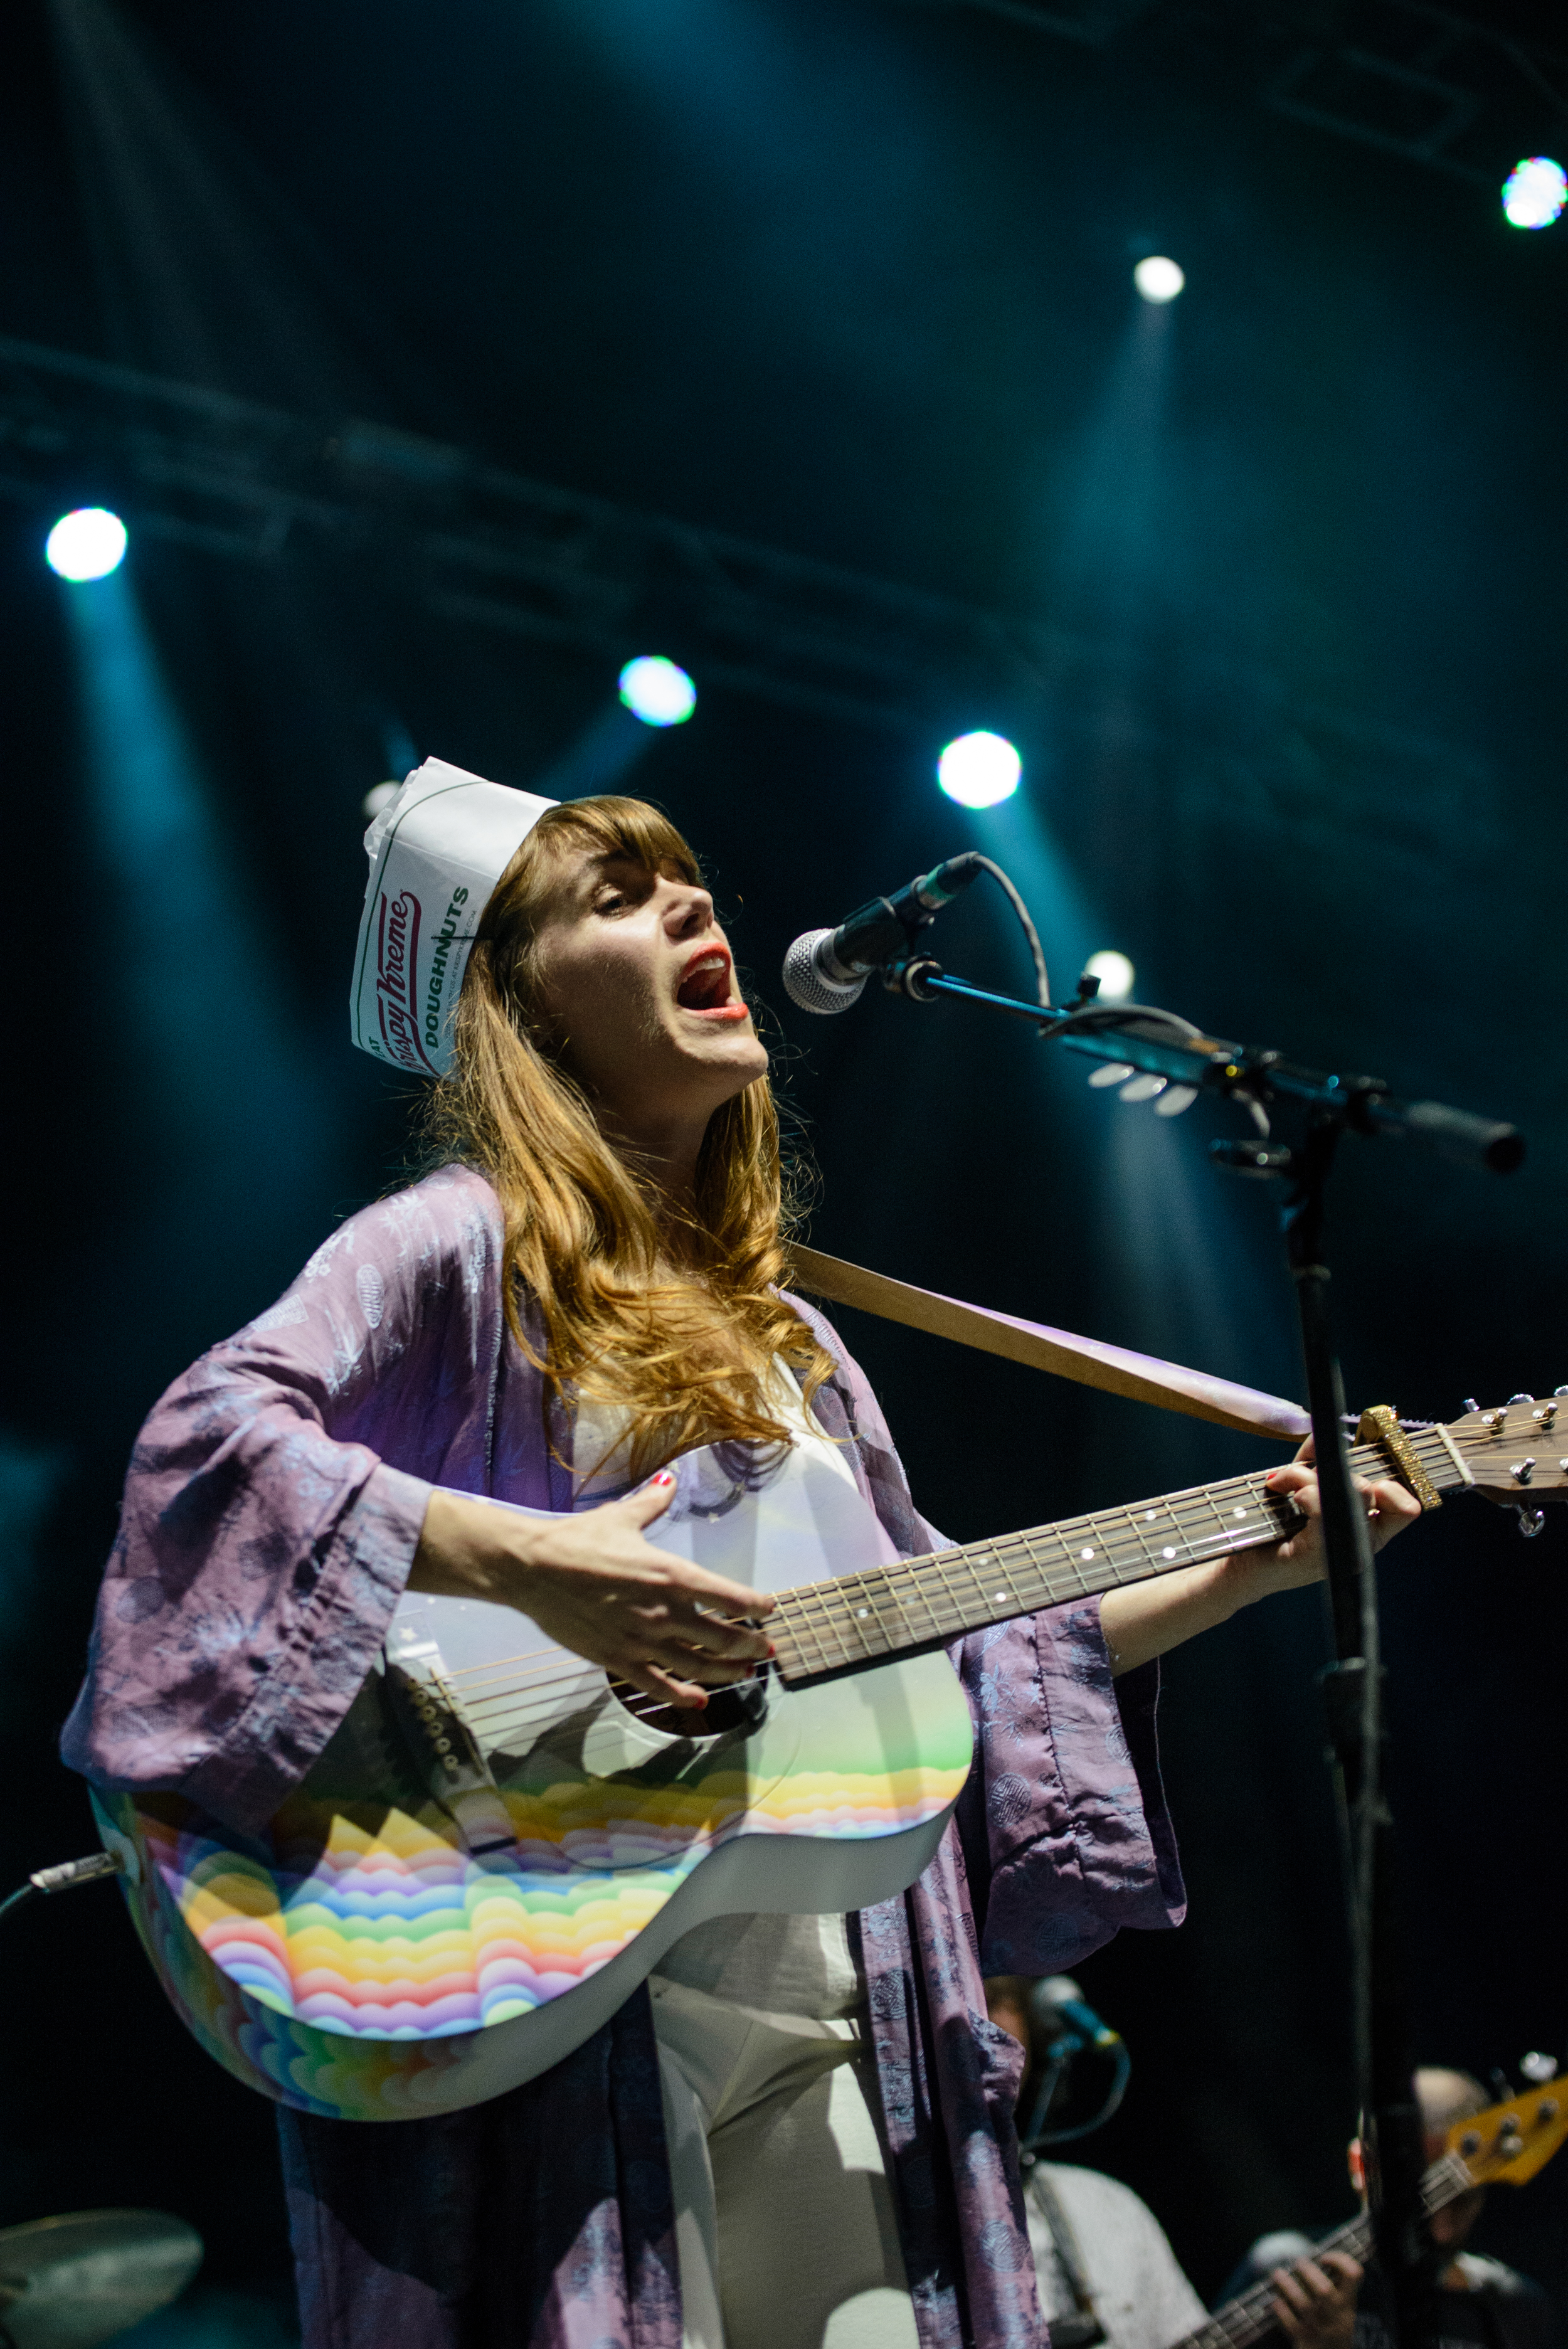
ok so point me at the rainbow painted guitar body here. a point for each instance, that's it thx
(378, 1954)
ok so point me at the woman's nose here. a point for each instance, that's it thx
(692, 908)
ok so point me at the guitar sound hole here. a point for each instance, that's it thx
(742, 1706)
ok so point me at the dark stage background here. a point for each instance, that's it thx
(854, 281)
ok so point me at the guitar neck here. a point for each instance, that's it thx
(822, 1629)
(1251, 2317)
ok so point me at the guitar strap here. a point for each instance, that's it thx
(1082, 2329)
(1087, 1360)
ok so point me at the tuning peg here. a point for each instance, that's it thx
(1522, 1471)
(1174, 1100)
(1530, 1522)
(1112, 1073)
(1520, 1398)
(1538, 2069)
(1469, 1404)
(1560, 1390)
(1546, 1413)
(1143, 1089)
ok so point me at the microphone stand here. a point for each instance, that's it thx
(1137, 1037)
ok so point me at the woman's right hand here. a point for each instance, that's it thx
(591, 1583)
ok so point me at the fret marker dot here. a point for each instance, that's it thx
(862, 1612)
(1086, 1553)
(1150, 1516)
(1001, 1594)
(1238, 1512)
(1167, 1553)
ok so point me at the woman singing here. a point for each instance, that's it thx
(797, 2135)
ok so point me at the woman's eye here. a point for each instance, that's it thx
(612, 902)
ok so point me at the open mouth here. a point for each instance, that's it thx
(706, 984)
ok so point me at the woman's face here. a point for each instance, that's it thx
(639, 982)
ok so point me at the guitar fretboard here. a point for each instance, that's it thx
(1246, 2320)
(823, 1629)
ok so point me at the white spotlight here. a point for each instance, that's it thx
(1114, 972)
(86, 544)
(1534, 192)
(379, 796)
(657, 691)
(1159, 279)
(979, 771)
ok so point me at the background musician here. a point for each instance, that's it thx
(1328, 2303)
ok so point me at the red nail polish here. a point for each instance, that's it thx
(662, 1477)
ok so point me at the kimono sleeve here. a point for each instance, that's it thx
(1066, 1834)
(275, 1502)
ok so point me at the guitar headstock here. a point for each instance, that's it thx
(1507, 2144)
(1517, 1451)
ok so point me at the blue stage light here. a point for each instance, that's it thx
(1159, 279)
(656, 691)
(1534, 192)
(979, 771)
(86, 544)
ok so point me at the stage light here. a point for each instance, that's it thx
(1114, 972)
(86, 544)
(979, 771)
(656, 691)
(379, 796)
(1534, 192)
(1157, 279)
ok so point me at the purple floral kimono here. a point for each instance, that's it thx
(272, 1509)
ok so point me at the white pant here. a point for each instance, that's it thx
(785, 2222)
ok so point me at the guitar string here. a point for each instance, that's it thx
(1137, 1515)
(1248, 2318)
(841, 1618)
(831, 1601)
(912, 1578)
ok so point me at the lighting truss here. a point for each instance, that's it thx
(1424, 83)
(1457, 92)
(495, 550)
(492, 550)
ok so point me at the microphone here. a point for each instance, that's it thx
(1058, 2005)
(826, 970)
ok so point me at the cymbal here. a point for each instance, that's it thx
(72, 2282)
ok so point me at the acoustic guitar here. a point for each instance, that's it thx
(498, 1845)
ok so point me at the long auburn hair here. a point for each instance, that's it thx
(677, 1320)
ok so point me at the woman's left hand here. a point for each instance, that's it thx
(1286, 1565)
(1145, 1619)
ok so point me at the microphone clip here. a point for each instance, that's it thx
(912, 978)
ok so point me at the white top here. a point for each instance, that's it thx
(1141, 2297)
(787, 1970)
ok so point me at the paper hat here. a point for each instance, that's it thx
(436, 851)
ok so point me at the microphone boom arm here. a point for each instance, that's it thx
(1162, 1044)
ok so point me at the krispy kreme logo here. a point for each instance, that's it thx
(397, 985)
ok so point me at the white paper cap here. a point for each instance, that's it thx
(436, 851)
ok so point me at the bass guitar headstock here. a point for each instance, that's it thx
(1516, 1451)
(1507, 2144)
